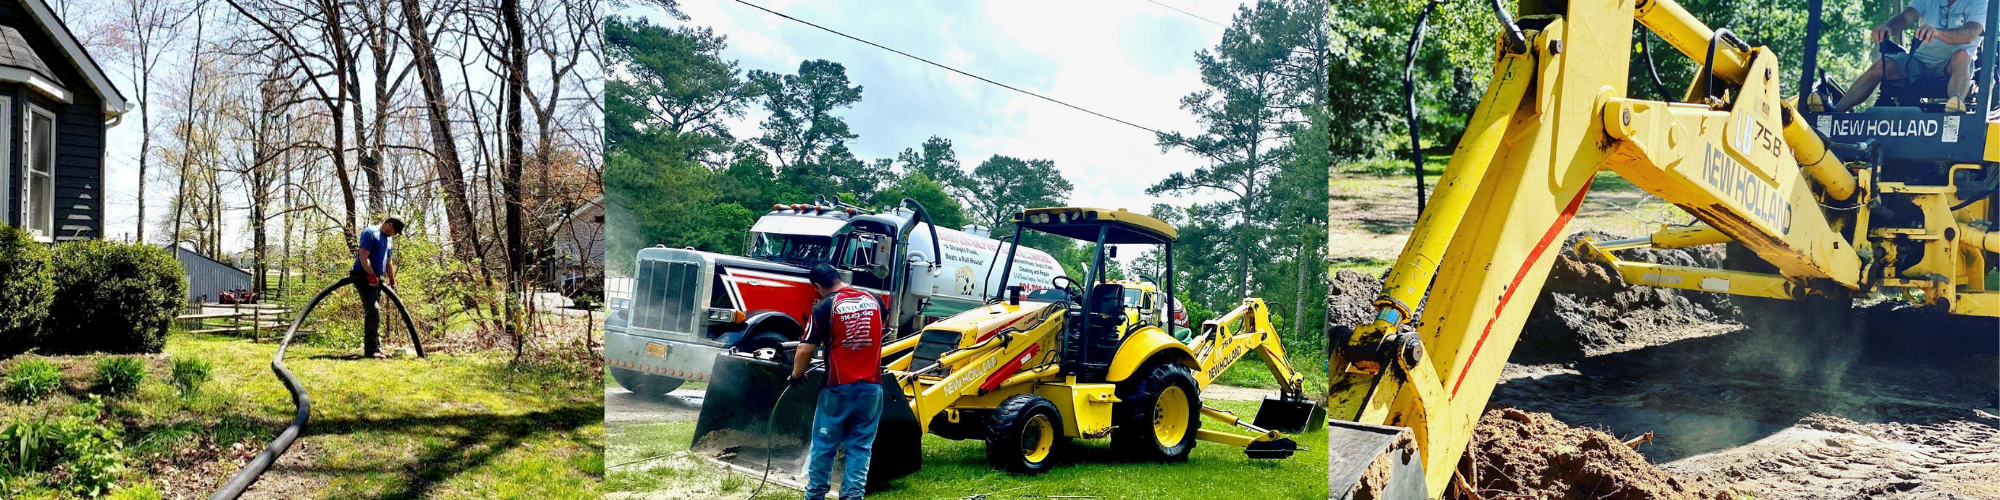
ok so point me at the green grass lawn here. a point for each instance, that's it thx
(958, 469)
(451, 426)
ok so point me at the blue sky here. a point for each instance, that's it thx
(1130, 59)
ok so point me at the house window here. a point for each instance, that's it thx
(38, 186)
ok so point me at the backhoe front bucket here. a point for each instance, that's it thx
(1289, 416)
(1372, 462)
(738, 425)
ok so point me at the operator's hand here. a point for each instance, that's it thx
(1925, 33)
(1879, 34)
(375, 280)
(392, 280)
(795, 379)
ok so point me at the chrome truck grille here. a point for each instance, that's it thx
(667, 295)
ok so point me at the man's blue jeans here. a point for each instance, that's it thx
(845, 419)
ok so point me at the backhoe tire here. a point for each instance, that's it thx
(1022, 435)
(1158, 416)
(646, 385)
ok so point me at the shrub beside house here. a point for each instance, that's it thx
(85, 296)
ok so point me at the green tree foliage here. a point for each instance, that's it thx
(1248, 104)
(943, 209)
(1007, 185)
(936, 161)
(674, 90)
(802, 127)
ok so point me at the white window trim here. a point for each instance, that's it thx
(28, 149)
(6, 165)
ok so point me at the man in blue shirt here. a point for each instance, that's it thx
(372, 267)
(1949, 32)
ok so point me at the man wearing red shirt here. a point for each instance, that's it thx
(848, 324)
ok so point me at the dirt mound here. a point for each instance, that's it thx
(1518, 454)
(1350, 298)
(1586, 308)
(1829, 457)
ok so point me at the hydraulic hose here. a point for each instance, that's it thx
(1410, 98)
(303, 404)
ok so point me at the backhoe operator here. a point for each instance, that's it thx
(1950, 33)
(847, 322)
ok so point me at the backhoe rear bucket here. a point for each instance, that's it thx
(1289, 416)
(738, 426)
(1371, 462)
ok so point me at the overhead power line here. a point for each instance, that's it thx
(1189, 14)
(951, 69)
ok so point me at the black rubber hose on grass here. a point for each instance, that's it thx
(244, 478)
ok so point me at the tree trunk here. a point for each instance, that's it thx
(510, 183)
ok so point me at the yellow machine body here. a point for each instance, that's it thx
(1553, 117)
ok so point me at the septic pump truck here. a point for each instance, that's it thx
(1026, 375)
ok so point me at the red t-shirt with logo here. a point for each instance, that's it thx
(848, 324)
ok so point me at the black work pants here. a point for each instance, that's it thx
(371, 313)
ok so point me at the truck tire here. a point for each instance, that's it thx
(646, 385)
(1023, 433)
(1159, 415)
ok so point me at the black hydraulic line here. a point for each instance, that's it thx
(1517, 43)
(1810, 66)
(1410, 99)
(1708, 66)
(244, 478)
(1646, 50)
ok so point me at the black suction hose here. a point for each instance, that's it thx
(244, 478)
(770, 439)
(1410, 99)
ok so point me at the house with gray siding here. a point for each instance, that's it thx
(55, 104)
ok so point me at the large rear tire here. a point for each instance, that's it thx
(1022, 435)
(646, 385)
(1158, 415)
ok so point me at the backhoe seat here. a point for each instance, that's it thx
(1107, 312)
(1909, 92)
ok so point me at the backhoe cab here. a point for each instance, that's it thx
(1032, 369)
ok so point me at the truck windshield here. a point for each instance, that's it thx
(790, 247)
(1134, 297)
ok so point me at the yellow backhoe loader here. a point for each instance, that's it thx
(1026, 375)
(1805, 218)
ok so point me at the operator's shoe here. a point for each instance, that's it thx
(1954, 105)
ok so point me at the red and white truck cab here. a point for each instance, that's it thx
(687, 306)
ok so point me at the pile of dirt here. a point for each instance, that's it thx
(1350, 298)
(1586, 308)
(1533, 456)
(1831, 457)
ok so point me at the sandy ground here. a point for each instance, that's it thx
(1902, 407)
(621, 405)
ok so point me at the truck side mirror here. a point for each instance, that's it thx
(880, 270)
(1114, 252)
